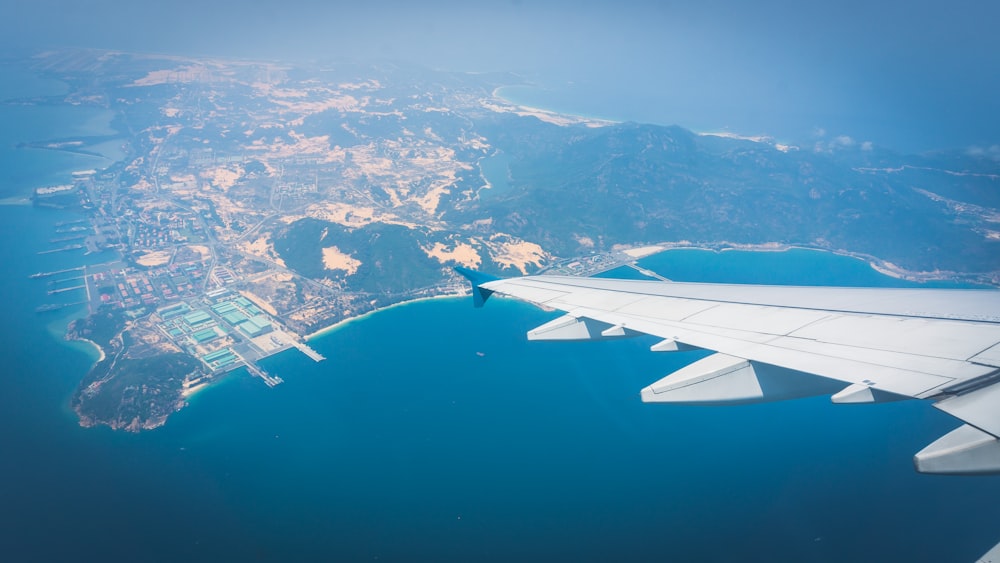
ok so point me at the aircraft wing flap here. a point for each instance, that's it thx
(952, 369)
(597, 299)
(777, 343)
(910, 356)
(757, 318)
(990, 356)
(834, 362)
(978, 408)
(667, 308)
(933, 338)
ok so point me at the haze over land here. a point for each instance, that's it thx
(256, 202)
(906, 75)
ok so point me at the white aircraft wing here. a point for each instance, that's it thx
(775, 342)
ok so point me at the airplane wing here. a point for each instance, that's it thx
(862, 345)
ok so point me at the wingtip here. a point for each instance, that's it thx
(476, 278)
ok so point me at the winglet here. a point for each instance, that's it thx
(479, 294)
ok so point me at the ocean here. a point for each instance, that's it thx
(26, 168)
(660, 101)
(435, 431)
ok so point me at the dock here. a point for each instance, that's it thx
(62, 289)
(72, 222)
(67, 239)
(308, 351)
(270, 380)
(57, 306)
(645, 272)
(64, 230)
(62, 249)
(57, 272)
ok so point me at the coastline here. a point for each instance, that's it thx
(101, 356)
(559, 117)
(190, 391)
(547, 115)
(340, 324)
(881, 266)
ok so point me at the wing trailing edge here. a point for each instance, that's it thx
(721, 379)
(860, 345)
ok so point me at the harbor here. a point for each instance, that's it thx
(55, 273)
(61, 249)
(222, 329)
(227, 331)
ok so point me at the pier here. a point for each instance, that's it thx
(80, 229)
(62, 289)
(62, 249)
(305, 349)
(67, 239)
(270, 380)
(69, 279)
(57, 272)
(71, 222)
(57, 306)
(645, 272)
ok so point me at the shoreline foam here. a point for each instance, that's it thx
(550, 116)
(101, 356)
(343, 322)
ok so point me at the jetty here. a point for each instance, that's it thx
(62, 249)
(62, 289)
(77, 229)
(67, 238)
(646, 272)
(270, 380)
(69, 279)
(57, 272)
(308, 351)
(72, 222)
(57, 306)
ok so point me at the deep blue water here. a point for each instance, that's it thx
(22, 169)
(434, 431)
(407, 444)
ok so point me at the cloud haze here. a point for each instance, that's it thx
(927, 73)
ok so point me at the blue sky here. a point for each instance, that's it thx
(913, 75)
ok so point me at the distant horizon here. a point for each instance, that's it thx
(570, 99)
(904, 75)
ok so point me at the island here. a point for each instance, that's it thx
(260, 202)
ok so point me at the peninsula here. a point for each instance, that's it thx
(260, 202)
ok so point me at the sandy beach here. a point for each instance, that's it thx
(340, 324)
(192, 389)
(100, 351)
(548, 116)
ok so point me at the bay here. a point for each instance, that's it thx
(27, 120)
(436, 431)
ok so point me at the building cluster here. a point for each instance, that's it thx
(131, 287)
(218, 330)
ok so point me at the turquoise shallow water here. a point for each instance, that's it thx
(436, 432)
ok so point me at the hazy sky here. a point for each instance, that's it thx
(913, 74)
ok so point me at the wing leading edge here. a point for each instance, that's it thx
(859, 345)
